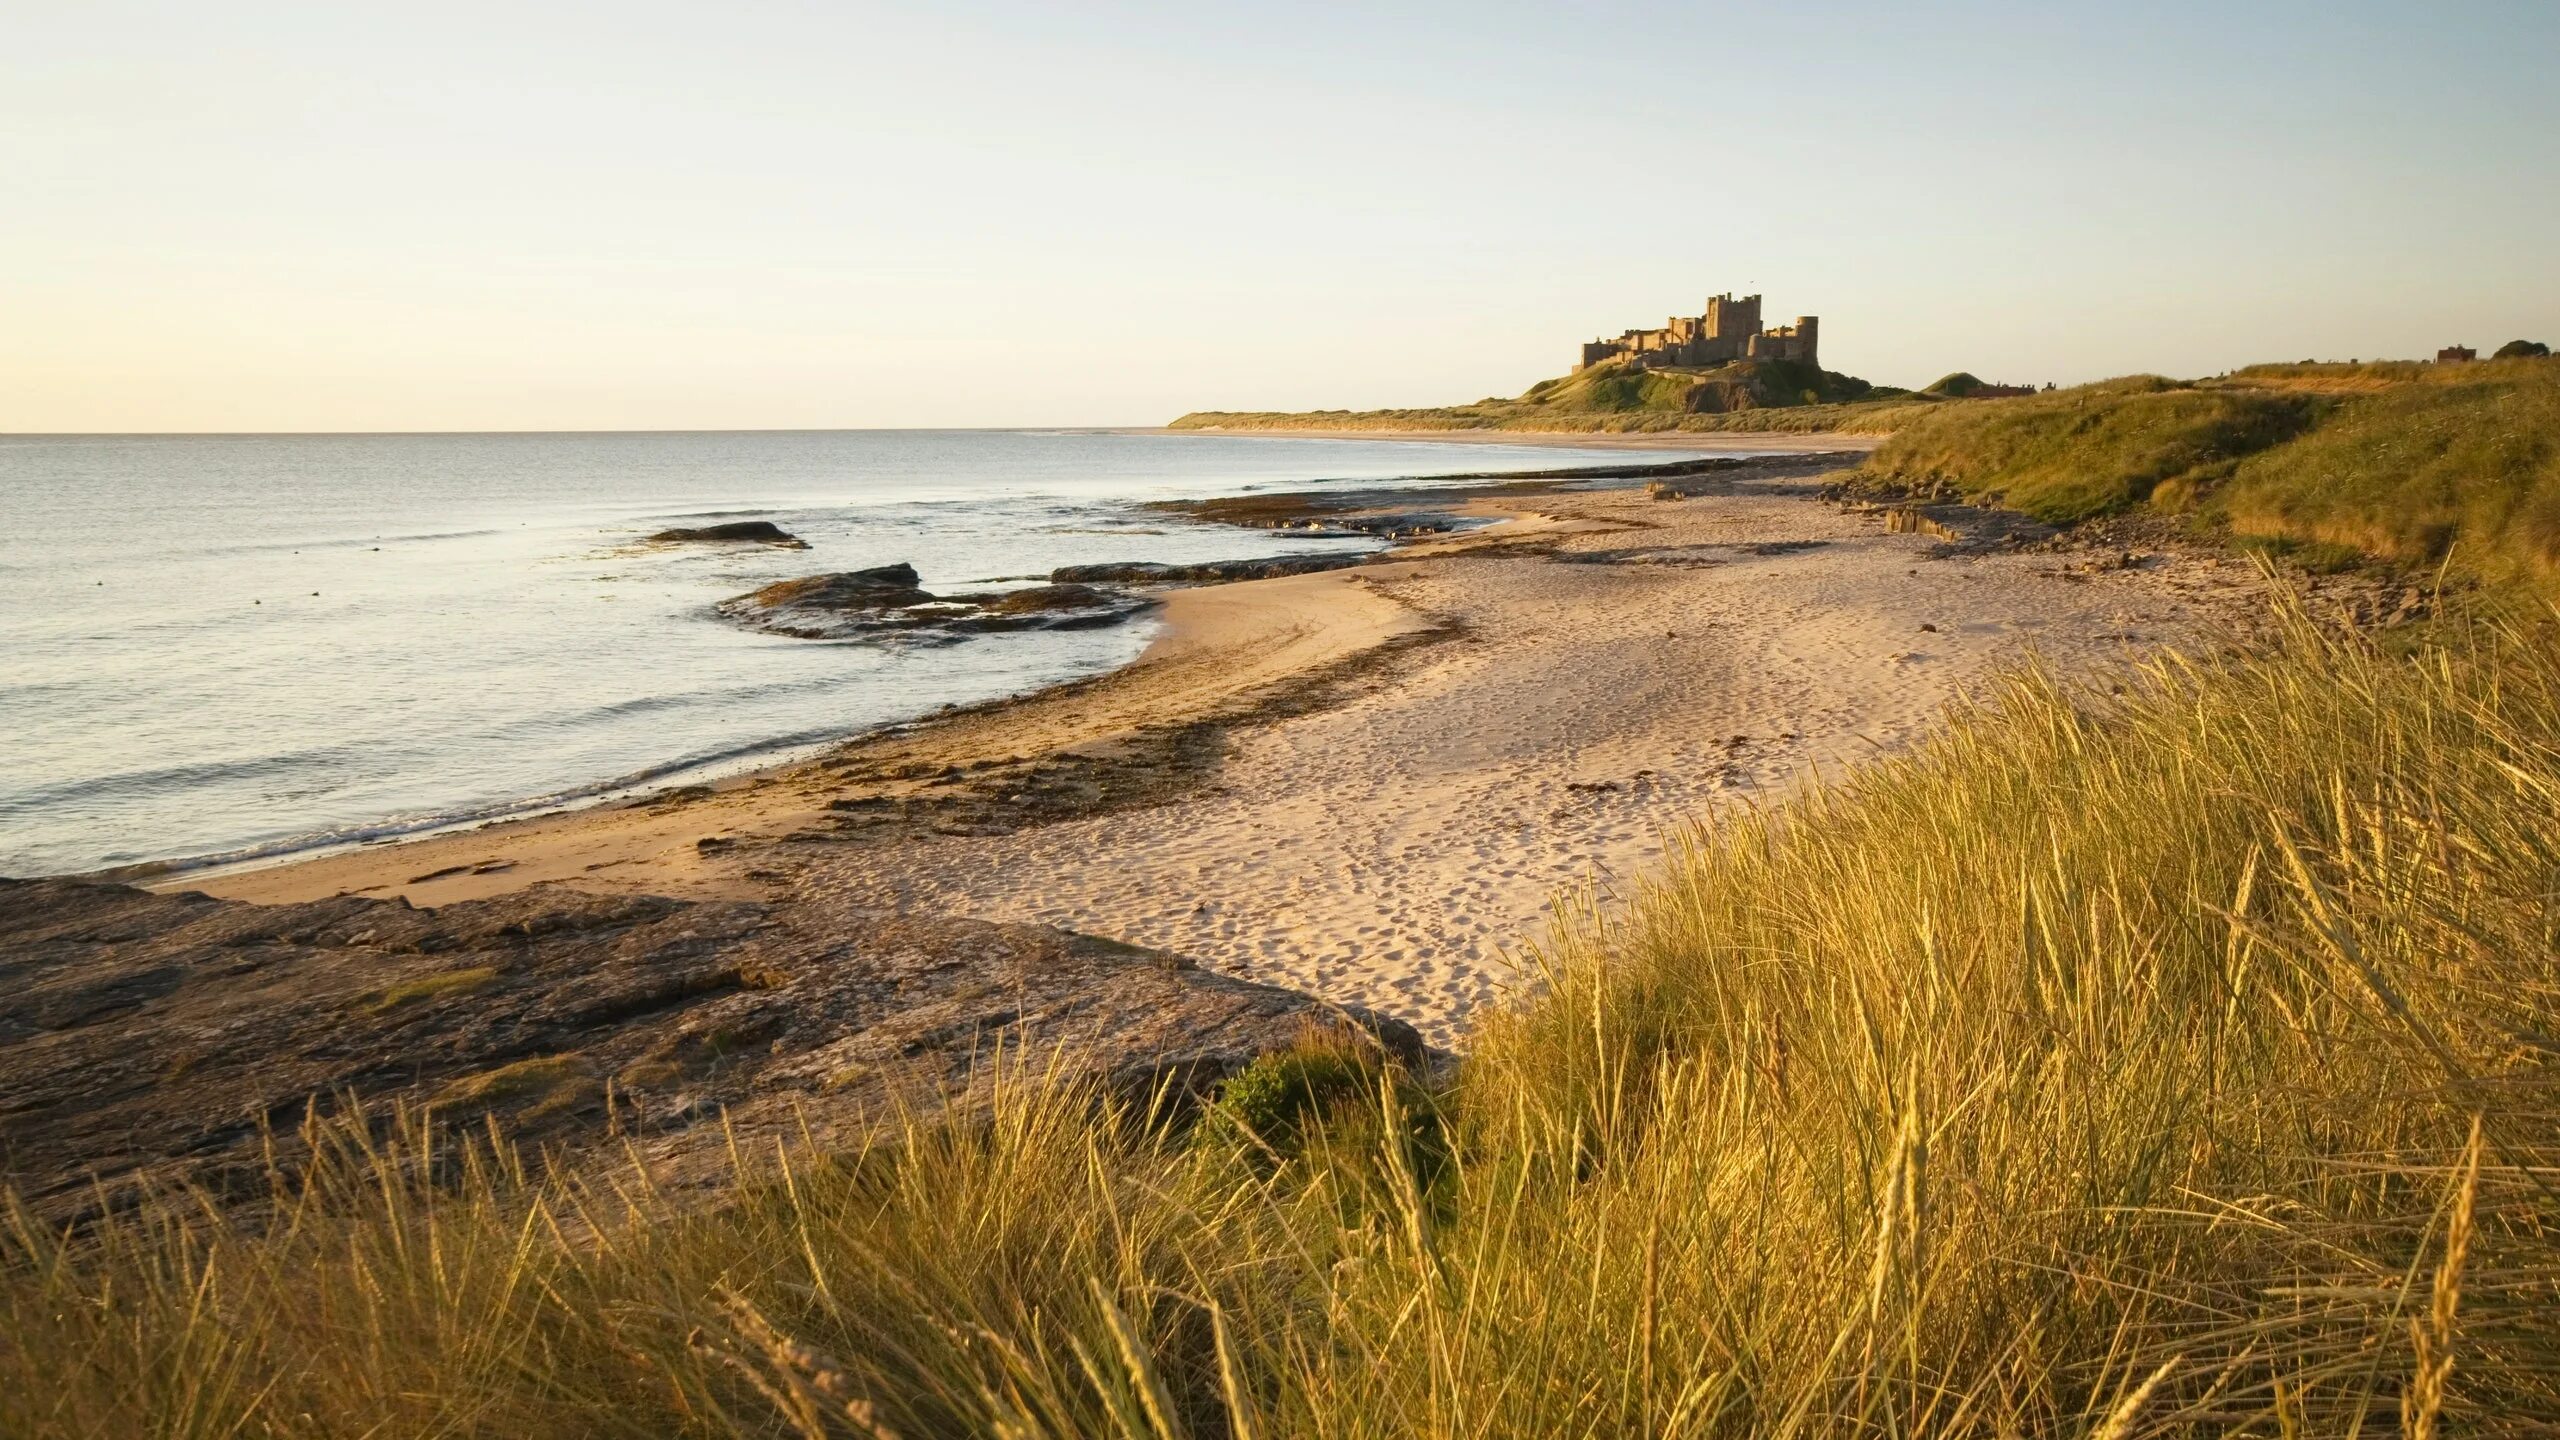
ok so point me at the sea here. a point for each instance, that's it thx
(224, 649)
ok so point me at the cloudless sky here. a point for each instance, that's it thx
(329, 216)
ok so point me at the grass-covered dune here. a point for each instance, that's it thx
(1755, 396)
(2407, 463)
(2179, 1061)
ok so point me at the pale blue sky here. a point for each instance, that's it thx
(983, 212)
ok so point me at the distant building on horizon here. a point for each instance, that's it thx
(2456, 355)
(1729, 331)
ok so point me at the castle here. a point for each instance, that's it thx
(1730, 330)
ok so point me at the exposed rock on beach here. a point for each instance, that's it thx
(1143, 572)
(889, 600)
(736, 532)
(170, 1033)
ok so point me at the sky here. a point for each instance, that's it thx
(265, 216)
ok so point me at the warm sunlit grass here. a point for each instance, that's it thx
(2411, 464)
(2108, 1067)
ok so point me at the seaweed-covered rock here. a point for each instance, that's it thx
(156, 1034)
(735, 532)
(887, 600)
(1147, 572)
(882, 587)
(1051, 607)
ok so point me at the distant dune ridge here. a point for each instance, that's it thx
(1623, 395)
(2328, 463)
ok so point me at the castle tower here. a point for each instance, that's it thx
(1807, 328)
(1731, 319)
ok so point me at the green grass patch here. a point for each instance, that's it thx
(2398, 463)
(2098, 449)
(2317, 557)
(2461, 464)
(469, 981)
(536, 1088)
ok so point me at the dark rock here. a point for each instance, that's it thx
(887, 600)
(880, 587)
(741, 532)
(1052, 607)
(165, 1034)
(1140, 572)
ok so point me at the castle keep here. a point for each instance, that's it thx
(1730, 330)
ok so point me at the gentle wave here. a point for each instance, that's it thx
(341, 542)
(703, 766)
(491, 649)
(167, 777)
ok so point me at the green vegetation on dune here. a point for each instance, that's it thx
(1764, 396)
(2315, 374)
(2393, 461)
(2108, 1067)
(2070, 454)
(2464, 464)
(1956, 385)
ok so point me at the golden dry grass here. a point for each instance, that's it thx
(2394, 463)
(2178, 1061)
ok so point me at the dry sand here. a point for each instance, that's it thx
(1375, 783)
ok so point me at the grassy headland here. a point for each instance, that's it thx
(2404, 463)
(2178, 1060)
(1754, 396)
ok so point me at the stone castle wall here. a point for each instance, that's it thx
(1729, 330)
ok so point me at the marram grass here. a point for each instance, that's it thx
(2416, 466)
(2172, 1062)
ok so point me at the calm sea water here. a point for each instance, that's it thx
(232, 646)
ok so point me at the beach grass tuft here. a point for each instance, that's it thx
(467, 981)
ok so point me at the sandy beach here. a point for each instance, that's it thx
(1375, 783)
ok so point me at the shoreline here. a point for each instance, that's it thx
(1373, 783)
(1771, 442)
(183, 871)
(1201, 630)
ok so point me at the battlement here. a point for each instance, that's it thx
(1729, 330)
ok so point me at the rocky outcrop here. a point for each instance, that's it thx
(888, 600)
(169, 1035)
(736, 532)
(1058, 606)
(1144, 572)
(883, 587)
